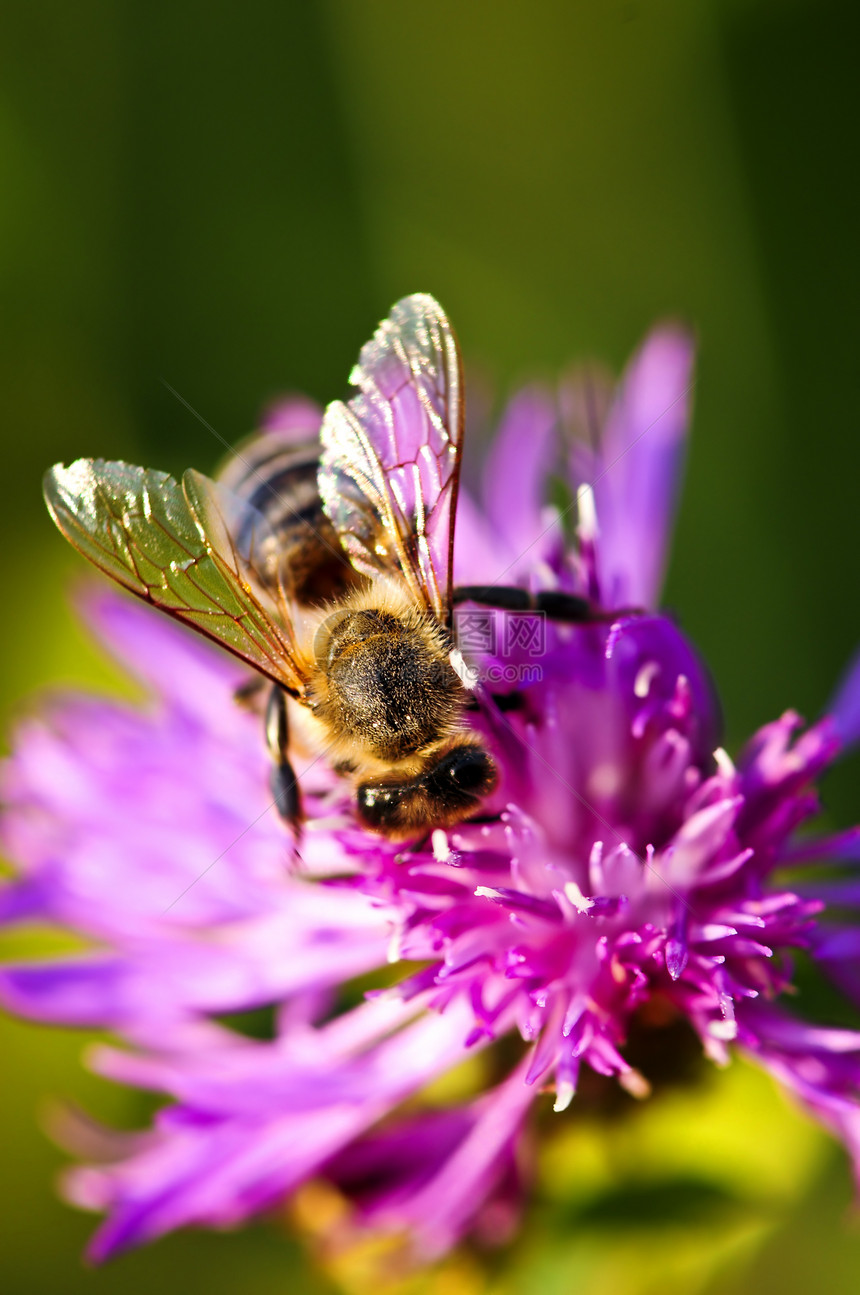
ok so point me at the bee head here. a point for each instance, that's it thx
(451, 787)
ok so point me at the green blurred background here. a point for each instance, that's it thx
(228, 198)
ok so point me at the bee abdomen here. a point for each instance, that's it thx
(303, 553)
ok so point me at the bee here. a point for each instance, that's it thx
(326, 566)
(275, 474)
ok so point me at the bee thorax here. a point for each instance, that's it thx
(388, 684)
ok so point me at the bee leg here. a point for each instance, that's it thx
(282, 779)
(248, 693)
(552, 603)
(570, 608)
(418, 846)
(505, 701)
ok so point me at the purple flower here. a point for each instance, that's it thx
(624, 860)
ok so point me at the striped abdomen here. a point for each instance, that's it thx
(278, 478)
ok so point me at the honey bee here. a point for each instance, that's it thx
(327, 567)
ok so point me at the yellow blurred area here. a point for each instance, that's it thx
(736, 1136)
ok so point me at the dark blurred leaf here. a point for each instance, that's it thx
(256, 1023)
(678, 1201)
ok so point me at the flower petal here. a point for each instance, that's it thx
(639, 467)
(515, 485)
(845, 705)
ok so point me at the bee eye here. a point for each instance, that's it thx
(377, 803)
(468, 768)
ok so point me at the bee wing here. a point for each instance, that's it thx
(171, 545)
(390, 463)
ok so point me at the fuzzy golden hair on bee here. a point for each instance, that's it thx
(382, 685)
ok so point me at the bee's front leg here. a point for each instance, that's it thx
(249, 694)
(282, 780)
(552, 603)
